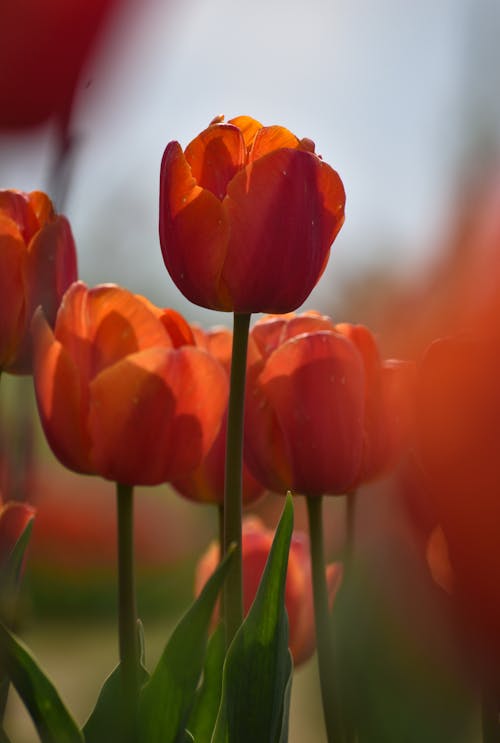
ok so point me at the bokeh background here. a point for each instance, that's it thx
(402, 99)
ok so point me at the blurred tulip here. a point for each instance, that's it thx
(247, 216)
(206, 483)
(122, 391)
(14, 518)
(43, 48)
(256, 545)
(389, 405)
(458, 408)
(37, 264)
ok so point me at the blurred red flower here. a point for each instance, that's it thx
(323, 413)
(247, 216)
(256, 545)
(458, 408)
(43, 47)
(206, 483)
(37, 264)
(122, 390)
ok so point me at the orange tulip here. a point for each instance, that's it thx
(324, 414)
(43, 47)
(305, 406)
(37, 264)
(458, 436)
(247, 216)
(122, 391)
(206, 483)
(389, 405)
(256, 545)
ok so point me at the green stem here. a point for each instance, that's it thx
(324, 640)
(233, 587)
(127, 612)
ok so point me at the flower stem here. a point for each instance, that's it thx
(233, 587)
(324, 639)
(127, 612)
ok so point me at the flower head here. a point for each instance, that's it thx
(122, 390)
(37, 264)
(248, 214)
(206, 483)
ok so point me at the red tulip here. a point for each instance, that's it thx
(458, 436)
(324, 414)
(256, 545)
(14, 518)
(122, 390)
(43, 47)
(389, 405)
(247, 216)
(206, 483)
(304, 407)
(37, 264)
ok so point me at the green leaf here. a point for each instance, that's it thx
(256, 678)
(165, 701)
(11, 572)
(285, 716)
(106, 723)
(204, 713)
(52, 720)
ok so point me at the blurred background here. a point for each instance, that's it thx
(402, 100)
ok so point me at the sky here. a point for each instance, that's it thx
(392, 92)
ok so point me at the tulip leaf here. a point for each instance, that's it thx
(257, 672)
(52, 720)
(11, 571)
(283, 738)
(204, 713)
(166, 699)
(106, 722)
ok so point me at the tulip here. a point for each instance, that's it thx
(37, 264)
(43, 47)
(305, 406)
(324, 413)
(122, 390)
(389, 405)
(206, 483)
(256, 545)
(458, 408)
(247, 216)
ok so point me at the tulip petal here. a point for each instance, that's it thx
(284, 211)
(215, 156)
(42, 207)
(151, 419)
(270, 138)
(59, 396)
(50, 269)
(12, 290)
(15, 205)
(193, 233)
(102, 325)
(248, 127)
(273, 330)
(315, 385)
